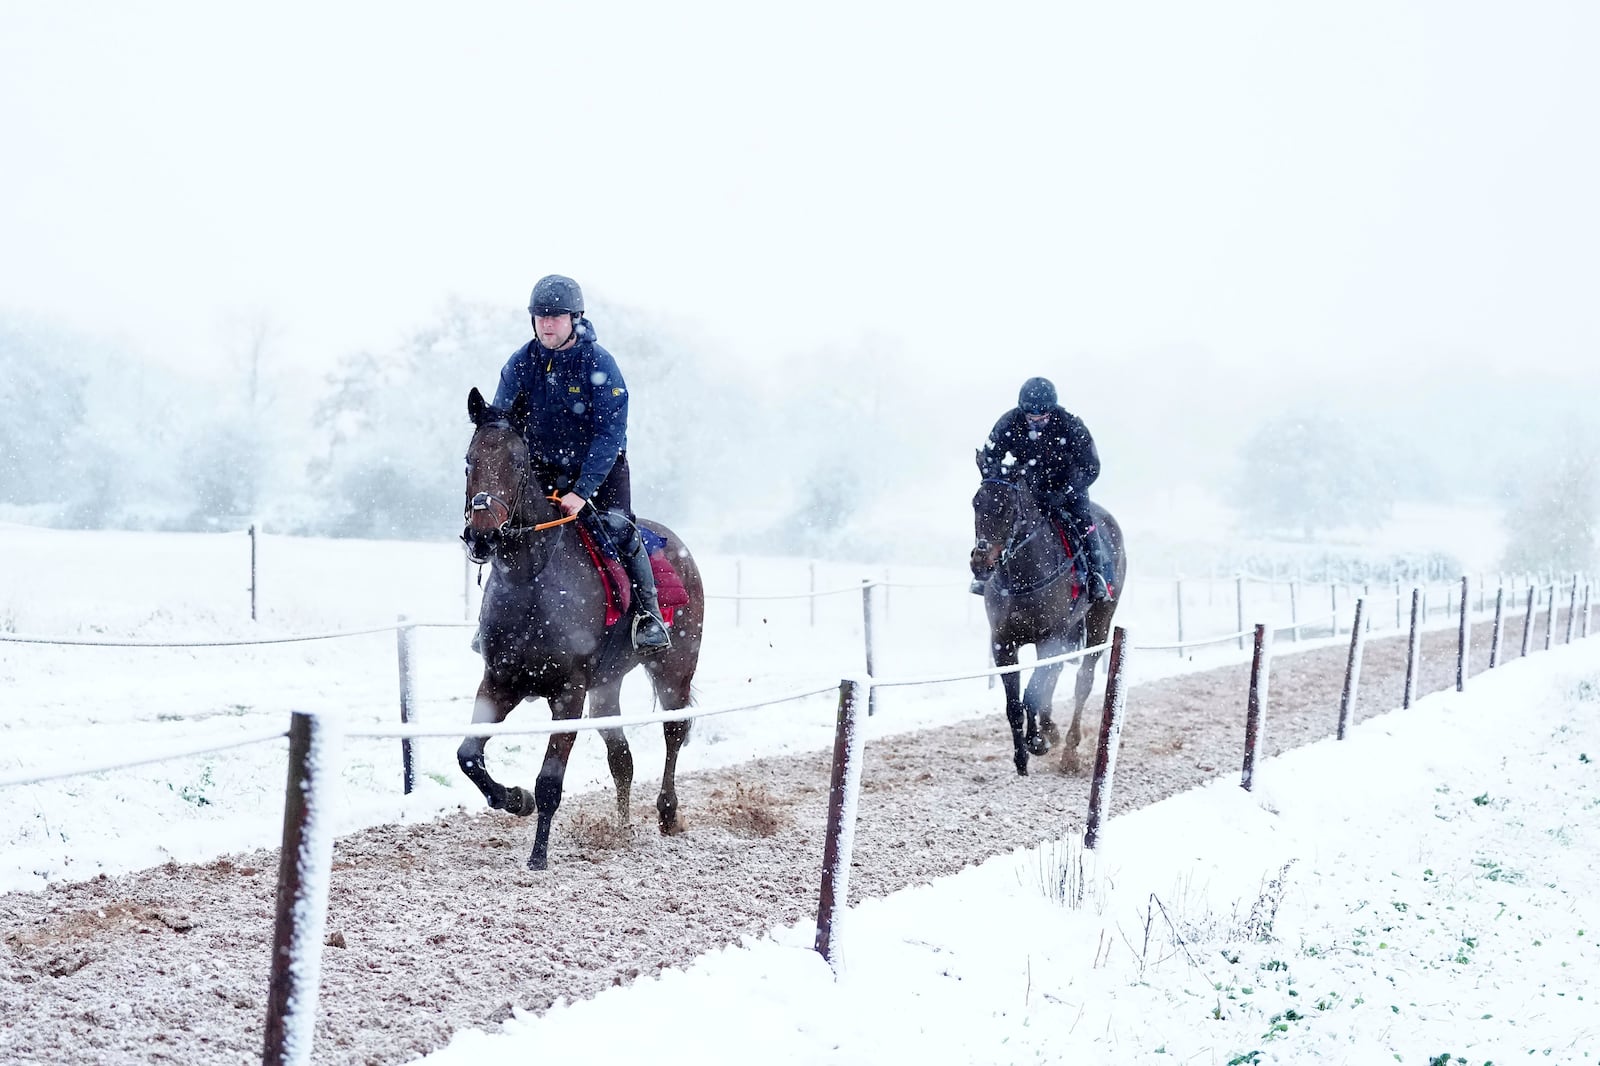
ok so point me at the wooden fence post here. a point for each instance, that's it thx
(1550, 622)
(1105, 755)
(1256, 708)
(1238, 599)
(1352, 671)
(1572, 611)
(844, 789)
(870, 636)
(1179, 582)
(1494, 640)
(1586, 608)
(252, 572)
(304, 866)
(1294, 611)
(408, 765)
(1461, 641)
(1527, 623)
(1413, 650)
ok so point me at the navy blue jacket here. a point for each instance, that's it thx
(1058, 456)
(577, 407)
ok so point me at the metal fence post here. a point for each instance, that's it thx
(304, 866)
(844, 788)
(1352, 671)
(1105, 757)
(1256, 708)
(408, 765)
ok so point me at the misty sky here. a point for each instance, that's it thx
(1030, 185)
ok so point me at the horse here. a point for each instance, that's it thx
(1031, 596)
(543, 627)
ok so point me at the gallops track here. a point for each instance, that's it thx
(437, 927)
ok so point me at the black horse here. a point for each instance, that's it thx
(543, 627)
(1032, 596)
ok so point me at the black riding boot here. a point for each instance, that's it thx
(1094, 560)
(649, 634)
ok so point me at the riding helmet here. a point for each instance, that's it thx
(556, 295)
(1038, 395)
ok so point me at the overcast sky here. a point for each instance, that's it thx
(1285, 186)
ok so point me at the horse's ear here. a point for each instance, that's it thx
(977, 457)
(519, 410)
(476, 406)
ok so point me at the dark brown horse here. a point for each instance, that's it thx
(1032, 596)
(544, 632)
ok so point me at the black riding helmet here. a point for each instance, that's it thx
(1038, 395)
(556, 295)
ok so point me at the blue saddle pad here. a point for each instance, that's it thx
(653, 541)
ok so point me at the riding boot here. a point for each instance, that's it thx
(1094, 557)
(649, 633)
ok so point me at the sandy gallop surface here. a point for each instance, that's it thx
(439, 926)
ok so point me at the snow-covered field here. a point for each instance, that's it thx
(1437, 902)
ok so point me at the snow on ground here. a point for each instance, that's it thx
(1421, 893)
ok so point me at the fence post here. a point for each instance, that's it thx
(1333, 602)
(844, 787)
(1572, 610)
(1294, 611)
(408, 766)
(1352, 671)
(1366, 590)
(252, 572)
(1256, 708)
(304, 865)
(812, 599)
(1527, 623)
(1461, 640)
(1494, 640)
(1397, 622)
(1586, 608)
(1105, 754)
(1179, 582)
(870, 636)
(1550, 622)
(1238, 599)
(1414, 648)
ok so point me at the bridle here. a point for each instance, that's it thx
(502, 512)
(1020, 534)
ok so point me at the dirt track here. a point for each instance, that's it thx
(170, 964)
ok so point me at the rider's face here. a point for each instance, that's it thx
(554, 330)
(1037, 421)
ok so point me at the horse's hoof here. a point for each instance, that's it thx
(538, 862)
(667, 815)
(1037, 744)
(519, 801)
(1070, 763)
(1022, 766)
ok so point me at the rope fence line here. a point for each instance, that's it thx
(34, 777)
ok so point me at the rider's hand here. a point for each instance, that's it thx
(572, 503)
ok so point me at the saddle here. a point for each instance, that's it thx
(670, 593)
(1079, 565)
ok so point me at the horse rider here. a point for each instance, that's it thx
(577, 433)
(1058, 462)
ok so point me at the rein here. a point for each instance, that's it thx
(484, 501)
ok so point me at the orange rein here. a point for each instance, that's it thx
(555, 521)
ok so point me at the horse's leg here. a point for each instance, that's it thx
(1041, 690)
(493, 703)
(670, 675)
(604, 702)
(547, 789)
(1097, 628)
(1005, 654)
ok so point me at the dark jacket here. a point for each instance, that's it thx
(577, 407)
(1058, 456)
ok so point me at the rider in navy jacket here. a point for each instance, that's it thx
(1055, 457)
(578, 408)
(577, 433)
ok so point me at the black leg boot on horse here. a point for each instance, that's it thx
(650, 636)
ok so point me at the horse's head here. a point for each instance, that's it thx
(996, 507)
(497, 474)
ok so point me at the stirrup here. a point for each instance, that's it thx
(1099, 591)
(654, 636)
